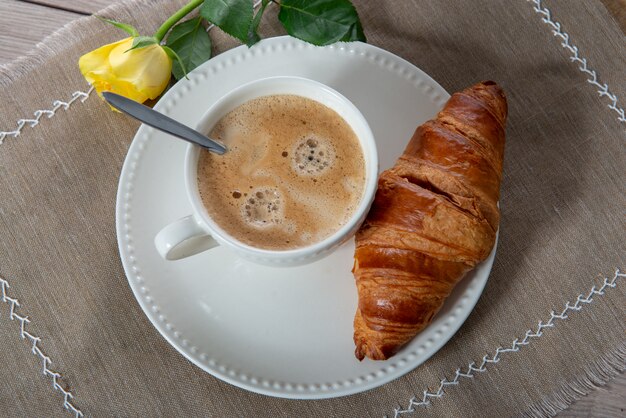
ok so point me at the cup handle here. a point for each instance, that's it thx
(183, 238)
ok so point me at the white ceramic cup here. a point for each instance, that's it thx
(197, 232)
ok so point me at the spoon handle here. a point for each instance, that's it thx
(161, 122)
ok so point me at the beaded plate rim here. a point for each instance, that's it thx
(389, 370)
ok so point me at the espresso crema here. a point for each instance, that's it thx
(294, 173)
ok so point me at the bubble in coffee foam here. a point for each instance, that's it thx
(312, 155)
(263, 208)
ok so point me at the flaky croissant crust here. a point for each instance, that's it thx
(434, 217)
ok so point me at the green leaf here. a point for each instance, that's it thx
(232, 16)
(253, 36)
(321, 22)
(191, 44)
(355, 33)
(123, 26)
(142, 41)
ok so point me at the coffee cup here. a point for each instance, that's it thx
(200, 232)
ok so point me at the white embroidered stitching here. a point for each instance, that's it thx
(36, 350)
(573, 49)
(56, 105)
(603, 91)
(515, 347)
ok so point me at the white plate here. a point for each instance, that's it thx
(278, 331)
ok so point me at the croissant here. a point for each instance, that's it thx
(434, 217)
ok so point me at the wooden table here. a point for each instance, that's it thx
(24, 23)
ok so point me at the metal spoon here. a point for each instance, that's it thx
(161, 122)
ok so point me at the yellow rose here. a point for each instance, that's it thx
(139, 74)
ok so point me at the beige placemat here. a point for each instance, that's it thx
(79, 339)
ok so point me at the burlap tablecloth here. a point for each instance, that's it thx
(562, 232)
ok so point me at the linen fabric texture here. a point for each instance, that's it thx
(562, 228)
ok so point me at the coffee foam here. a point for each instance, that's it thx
(293, 175)
(312, 155)
(264, 208)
